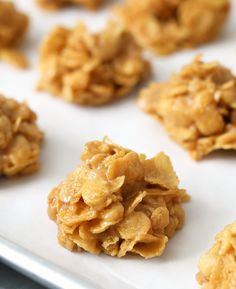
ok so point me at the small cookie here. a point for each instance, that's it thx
(117, 202)
(20, 139)
(13, 26)
(197, 107)
(91, 69)
(218, 266)
(165, 26)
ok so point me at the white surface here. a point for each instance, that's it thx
(23, 202)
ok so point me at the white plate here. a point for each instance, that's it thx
(29, 237)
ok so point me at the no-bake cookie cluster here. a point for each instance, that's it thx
(218, 266)
(165, 26)
(91, 69)
(13, 26)
(117, 201)
(197, 107)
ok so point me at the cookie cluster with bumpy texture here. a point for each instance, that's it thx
(13, 26)
(165, 26)
(197, 107)
(20, 139)
(91, 69)
(57, 4)
(117, 202)
(218, 266)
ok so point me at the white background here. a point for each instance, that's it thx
(210, 182)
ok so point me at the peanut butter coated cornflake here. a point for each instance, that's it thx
(117, 202)
(218, 266)
(20, 139)
(13, 26)
(197, 107)
(91, 69)
(57, 4)
(165, 26)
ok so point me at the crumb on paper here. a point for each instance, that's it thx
(91, 69)
(218, 266)
(165, 26)
(20, 139)
(197, 107)
(57, 4)
(117, 202)
(13, 26)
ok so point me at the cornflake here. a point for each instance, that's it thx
(197, 107)
(117, 202)
(57, 4)
(13, 26)
(218, 266)
(165, 26)
(20, 139)
(91, 69)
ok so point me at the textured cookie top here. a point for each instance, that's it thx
(13, 26)
(57, 4)
(218, 266)
(91, 69)
(20, 139)
(117, 201)
(197, 107)
(165, 26)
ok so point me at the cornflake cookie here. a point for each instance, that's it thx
(57, 4)
(117, 202)
(20, 139)
(218, 266)
(91, 69)
(165, 26)
(13, 26)
(197, 107)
